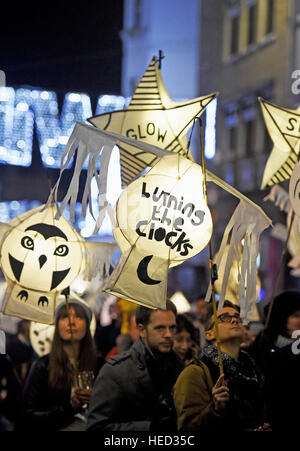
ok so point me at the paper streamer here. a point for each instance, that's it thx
(92, 143)
(98, 259)
(245, 226)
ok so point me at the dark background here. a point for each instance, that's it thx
(62, 45)
(59, 46)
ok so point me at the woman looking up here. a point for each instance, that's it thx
(53, 399)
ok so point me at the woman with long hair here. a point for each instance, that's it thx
(54, 398)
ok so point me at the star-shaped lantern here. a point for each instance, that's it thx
(152, 117)
(284, 128)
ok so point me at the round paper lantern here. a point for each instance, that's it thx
(40, 252)
(164, 213)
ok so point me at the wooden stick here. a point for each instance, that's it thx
(72, 343)
(212, 266)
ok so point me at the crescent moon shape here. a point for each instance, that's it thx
(142, 271)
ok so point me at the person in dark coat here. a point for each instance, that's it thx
(20, 351)
(133, 390)
(10, 395)
(284, 320)
(282, 392)
(53, 399)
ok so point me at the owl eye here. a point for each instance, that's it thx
(61, 250)
(27, 242)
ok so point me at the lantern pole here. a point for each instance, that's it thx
(212, 266)
(72, 341)
(283, 255)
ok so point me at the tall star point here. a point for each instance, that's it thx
(152, 116)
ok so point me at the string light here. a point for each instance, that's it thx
(23, 108)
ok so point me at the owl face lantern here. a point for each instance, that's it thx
(162, 219)
(40, 257)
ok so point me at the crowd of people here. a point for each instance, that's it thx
(201, 371)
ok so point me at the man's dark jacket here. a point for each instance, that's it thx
(125, 397)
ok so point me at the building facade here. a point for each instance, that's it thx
(242, 49)
(172, 26)
(255, 53)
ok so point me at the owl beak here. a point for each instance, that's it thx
(42, 260)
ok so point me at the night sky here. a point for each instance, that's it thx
(63, 47)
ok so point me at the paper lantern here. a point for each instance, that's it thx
(164, 211)
(40, 256)
(161, 220)
(89, 142)
(283, 127)
(152, 117)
